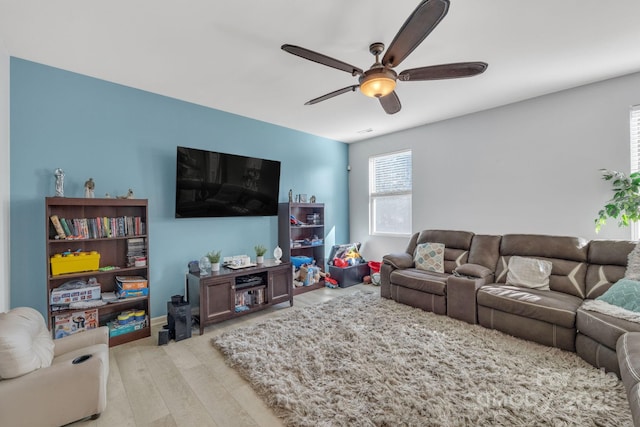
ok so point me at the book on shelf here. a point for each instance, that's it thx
(250, 298)
(65, 226)
(99, 227)
(58, 227)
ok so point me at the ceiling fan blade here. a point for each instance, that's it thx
(418, 25)
(444, 71)
(390, 103)
(321, 59)
(332, 94)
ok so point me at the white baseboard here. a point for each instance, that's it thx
(158, 321)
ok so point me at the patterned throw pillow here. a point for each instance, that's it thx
(624, 293)
(529, 272)
(430, 257)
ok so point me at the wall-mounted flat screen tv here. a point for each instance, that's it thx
(211, 184)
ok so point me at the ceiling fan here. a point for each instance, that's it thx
(379, 81)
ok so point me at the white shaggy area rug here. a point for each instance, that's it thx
(361, 360)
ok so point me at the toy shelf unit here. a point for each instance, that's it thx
(229, 293)
(95, 241)
(301, 233)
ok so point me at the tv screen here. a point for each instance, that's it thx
(211, 184)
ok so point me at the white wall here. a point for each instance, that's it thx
(529, 167)
(4, 179)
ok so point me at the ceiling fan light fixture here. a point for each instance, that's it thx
(378, 83)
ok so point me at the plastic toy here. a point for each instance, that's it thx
(330, 283)
(339, 262)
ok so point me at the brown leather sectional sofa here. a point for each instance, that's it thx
(473, 288)
(628, 349)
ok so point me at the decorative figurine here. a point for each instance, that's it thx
(312, 199)
(129, 195)
(59, 174)
(89, 186)
(277, 254)
(290, 196)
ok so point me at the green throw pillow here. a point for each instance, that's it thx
(624, 293)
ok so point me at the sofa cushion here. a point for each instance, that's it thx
(457, 244)
(25, 342)
(420, 280)
(411, 247)
(429, 257)
(549, 306)
(625, 293)
(607, 264)
(603, 328)
(600, 278)
(529, 272)
(566, 276)
(567, 254)
(539, 245)
(485, 250)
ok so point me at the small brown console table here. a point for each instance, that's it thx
(230, 292)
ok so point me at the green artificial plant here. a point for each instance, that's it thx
(260, 250)
(214, 257)
(625, 204)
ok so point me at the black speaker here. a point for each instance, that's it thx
(163, 336)
(179, 318)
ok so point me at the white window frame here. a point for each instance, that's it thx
(375, 195)
(634, 143)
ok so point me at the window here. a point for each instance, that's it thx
(634, 132)
(390, 194)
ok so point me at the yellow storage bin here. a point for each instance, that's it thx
(74, 262)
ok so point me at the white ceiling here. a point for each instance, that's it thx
(226, 54)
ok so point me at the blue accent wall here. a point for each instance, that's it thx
(126, 138)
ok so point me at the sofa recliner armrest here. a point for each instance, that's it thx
(398, 260)
(81, 339)
(628, 353)
(461, 296)
(54, 387)
(462, 287)
(473, 271)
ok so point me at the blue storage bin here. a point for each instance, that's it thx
(297, 261)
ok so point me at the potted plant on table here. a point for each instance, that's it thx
(260, 251)
(214, 258)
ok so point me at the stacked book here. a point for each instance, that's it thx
(135, 249)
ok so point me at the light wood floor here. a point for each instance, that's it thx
(187, 383)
